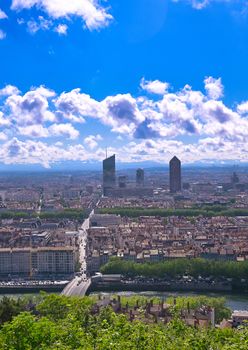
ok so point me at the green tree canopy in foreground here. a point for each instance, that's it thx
(221, 311)
(65, 323)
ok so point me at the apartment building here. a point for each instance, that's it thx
(45, 260)
(57, 260)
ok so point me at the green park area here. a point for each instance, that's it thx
(178, 267)
(73, 214)
(208, 211)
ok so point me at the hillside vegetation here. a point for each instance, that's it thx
(63, 323)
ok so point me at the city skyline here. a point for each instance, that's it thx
(146, 81)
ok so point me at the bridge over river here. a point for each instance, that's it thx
(77, 288)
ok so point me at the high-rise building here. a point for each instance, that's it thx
(122, 181)
(175, 175)
(234, 179)
(108, 174)
(140, 177)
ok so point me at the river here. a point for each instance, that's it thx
(233, 301)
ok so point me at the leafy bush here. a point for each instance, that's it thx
(66, 324)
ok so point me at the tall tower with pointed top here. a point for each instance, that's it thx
(175, 175)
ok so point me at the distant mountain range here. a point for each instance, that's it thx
(97, 166)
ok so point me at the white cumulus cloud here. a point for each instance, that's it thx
(61, 29)
(34, 131)
(32, 107)
(195, 125)
(214, 88)
(93, 14)
(2, 34)
(3, 136)
(242, 108)
(92, 141)
(3, 15)
(66, 130)
(155, 86)
(41, 23)
(9, 90)
(201, 4)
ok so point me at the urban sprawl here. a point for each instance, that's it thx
(61, 229)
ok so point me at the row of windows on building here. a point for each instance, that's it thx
(36, 261)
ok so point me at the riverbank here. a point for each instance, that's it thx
(233, 301)
(26, 287)
(133, 285)
(31, 289)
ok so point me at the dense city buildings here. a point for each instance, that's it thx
(151, 239)
(41, 218)
(35, 248)
(130, 192)
(175, 175)
(145, 202)
(109, 177)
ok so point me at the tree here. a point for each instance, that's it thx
(10, 308)
(64, 328)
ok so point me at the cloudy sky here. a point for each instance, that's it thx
(146, 79)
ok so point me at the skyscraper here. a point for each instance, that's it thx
(175, 175)
(140, 177)
(108, 174)
(122, 181)
(234, 179)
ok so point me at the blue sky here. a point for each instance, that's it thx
(145, 78)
